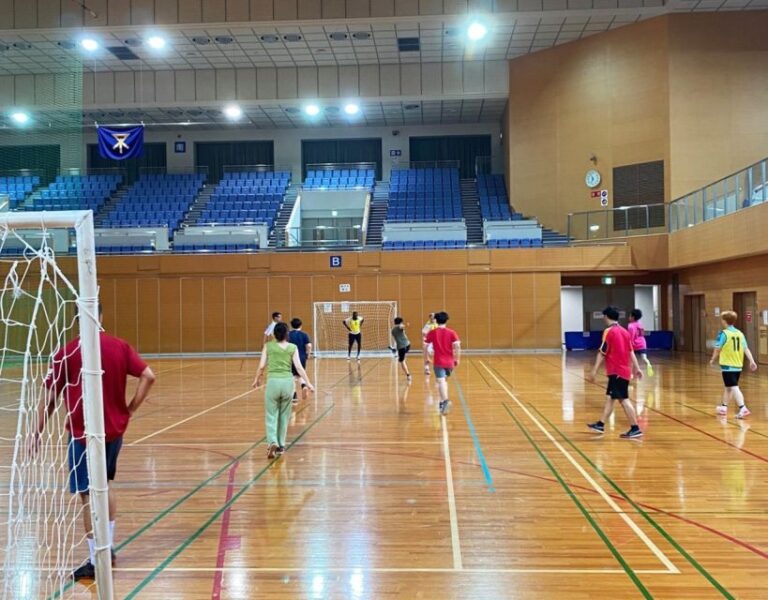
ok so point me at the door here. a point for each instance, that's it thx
(695, 324)
(745, 305)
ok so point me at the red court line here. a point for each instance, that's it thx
(707, 528)
(226, 542)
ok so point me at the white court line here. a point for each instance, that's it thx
(201, 413)
(308, 570)
(455, 541)
(632, 525)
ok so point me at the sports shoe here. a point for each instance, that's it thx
(722, 409)
(114, 556)
(84, 571)
(649, 370)
(634, 432)
(272, 452)
(743, 412)
(280, 451)
(426, 370)
(349, 358)
(597, 426)
(409, 378)
(443, 406)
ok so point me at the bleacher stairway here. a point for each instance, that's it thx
(111, 203)
(378, 214)
(470, 207)
(278, 232)
(198, 206)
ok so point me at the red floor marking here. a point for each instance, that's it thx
(226, 541)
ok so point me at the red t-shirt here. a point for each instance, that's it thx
(442, 340)
(617, 346)
(118, 360)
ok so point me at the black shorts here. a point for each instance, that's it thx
(355, 337)
(303, 364)
(78, 464)
(731, 378)
(641, 352)
(618, 388)
(401, 352)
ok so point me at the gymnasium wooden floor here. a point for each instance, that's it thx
(509, 496)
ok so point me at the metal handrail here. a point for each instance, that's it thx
(592, 226)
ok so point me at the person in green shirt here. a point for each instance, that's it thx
(403, 345)
(277, 357)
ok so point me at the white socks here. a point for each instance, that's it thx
(111, 534)
(92, 550)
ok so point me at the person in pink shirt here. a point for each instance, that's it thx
(637, 335)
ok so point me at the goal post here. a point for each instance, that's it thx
(331, 337)
(41, 309)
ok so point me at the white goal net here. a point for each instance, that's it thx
(46, 302)
(332, 338)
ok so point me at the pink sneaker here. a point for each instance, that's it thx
(743, 412)
(722, 410)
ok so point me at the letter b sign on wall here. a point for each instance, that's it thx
(335, 262)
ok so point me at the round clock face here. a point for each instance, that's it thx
(593, 178)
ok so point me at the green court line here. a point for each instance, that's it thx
(215, 516)
(694, 563)
(617, 555)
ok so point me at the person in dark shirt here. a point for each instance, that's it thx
(302, 341)
(402, 345)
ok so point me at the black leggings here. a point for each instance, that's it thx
(355, 338)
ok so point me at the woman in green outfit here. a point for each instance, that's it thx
(277, 356)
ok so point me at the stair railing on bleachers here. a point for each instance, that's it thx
(483, 165)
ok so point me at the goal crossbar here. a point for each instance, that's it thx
(331, 336)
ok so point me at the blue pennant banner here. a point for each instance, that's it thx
(119, 143)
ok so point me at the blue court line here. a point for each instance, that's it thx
(475, 439)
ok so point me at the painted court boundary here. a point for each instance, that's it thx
(475, 439)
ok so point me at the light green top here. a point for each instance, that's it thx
(279, 360)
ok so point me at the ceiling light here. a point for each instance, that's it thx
(312, 110)
(20, 118)
(233, 112)
(156, 42)
(89, 44)
(351, 108)
(476, 31)
(594, 227)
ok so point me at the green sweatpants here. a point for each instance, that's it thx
(277, 409)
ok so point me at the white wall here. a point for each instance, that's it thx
(647, 301)
(571, 309)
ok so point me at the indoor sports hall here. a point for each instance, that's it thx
(383, 299)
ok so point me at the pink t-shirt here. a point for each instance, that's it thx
(637, 334)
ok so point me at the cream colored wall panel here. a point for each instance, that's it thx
(214, 11)
(104, 88)
(349, 81)
(483, 6)
(334, 9)
(369, 81)
(71, 14)
(7, 85)
(190, 11)
(453, 7)
(474, 77)
(310, 9)
(205, 85)
(226, 88)
(246, 84)
(358, 10)
(287, 83)
(266, 84)
(25, 14)
(237, 10)
(262, 10)
(452, 78)
(506, 5)
(308, 82)
(44, 89)
(431, 79)
(185, 85)
(165, 88)
(125, 87)
(382, 8)
(25, 90)
(328, 79)
(119, 12)
(142, 12)
(145, 88)
(389, 78)
(497, 76)
(89, 89)
(68, 88)
(286, 10)
(431, 7)
(410, 80)
(406, 8)
(48, 13)
(166, 11)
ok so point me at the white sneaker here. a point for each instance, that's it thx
(743, 412)
(722, 410)
(426, 370)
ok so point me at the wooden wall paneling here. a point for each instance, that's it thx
(410, 303)
(455, 304)
(257, 305)
(479, 327)
(235, 314)
(388, 288)
(126, 314)
(279, 296)
(325, 288)
(364, 287)
(433, 294)
(169, 310)
(547, 310)
(523, 312)
(148, 335)
(192, 314)
(302, 301)
(500, 311)
(108, 299)
(214, 317)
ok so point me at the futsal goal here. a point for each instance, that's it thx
(331, 337)
(46, 301)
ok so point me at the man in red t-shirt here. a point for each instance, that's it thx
(620, 360)
(118, 360)
(447, 354)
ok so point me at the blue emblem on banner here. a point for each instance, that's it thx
(119, 143)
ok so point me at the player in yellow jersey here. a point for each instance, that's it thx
(730, 350)
(354, 325)
(428, 326)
